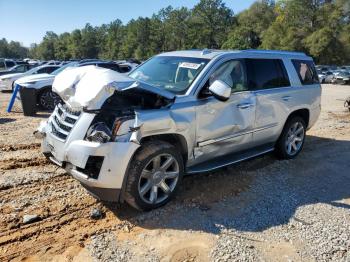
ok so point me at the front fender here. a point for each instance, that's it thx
(166, 121)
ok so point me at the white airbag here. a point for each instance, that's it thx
(88, 86)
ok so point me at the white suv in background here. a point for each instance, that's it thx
(41, 84)
(7, 81)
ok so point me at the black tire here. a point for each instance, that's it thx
(140, 163)
(282, 145)
(47, 99)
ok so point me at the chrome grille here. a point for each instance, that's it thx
(63, 120)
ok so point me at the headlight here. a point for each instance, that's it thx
(99, 132)
(118, 128)
(29, 83)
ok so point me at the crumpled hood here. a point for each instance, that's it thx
(32, 78)
(90, 86)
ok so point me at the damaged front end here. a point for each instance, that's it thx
(112, 97)
(95, 133)
(117, 119)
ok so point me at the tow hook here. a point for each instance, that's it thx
(39, 135)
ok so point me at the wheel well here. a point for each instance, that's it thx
(175, 139)
(303, 113)
(41, 90)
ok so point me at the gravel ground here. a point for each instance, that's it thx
(258, 210)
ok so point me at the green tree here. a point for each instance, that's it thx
(61, 47)
(75, 47)
(209, 24)
(251, 25)
(46, 49)
(89, 46)
(318, 27)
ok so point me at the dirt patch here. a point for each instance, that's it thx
(9, 148)
(14, 163)
(262, 209)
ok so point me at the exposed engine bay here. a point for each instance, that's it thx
(118, 112)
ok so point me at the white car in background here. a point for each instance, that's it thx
(321, 77)
(41, 84)
(7, 81)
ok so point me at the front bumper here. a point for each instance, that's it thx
(76, 156)
(104, 194)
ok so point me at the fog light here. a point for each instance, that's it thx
(39, 135)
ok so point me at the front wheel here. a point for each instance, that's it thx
(48, 100)
(292, 138)
(154, 175)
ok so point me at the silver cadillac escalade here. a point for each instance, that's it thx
(133, 137)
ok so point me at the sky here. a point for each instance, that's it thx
(27, 21)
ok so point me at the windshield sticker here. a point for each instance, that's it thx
(190, 65)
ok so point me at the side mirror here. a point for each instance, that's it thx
(220, 90)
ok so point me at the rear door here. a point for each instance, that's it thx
(269, 80)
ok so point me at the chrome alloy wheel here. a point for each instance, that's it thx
(48, 100)
(295, 138)
(158, 179)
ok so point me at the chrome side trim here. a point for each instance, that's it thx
(57, 162)
(211, 141)
(230, 162)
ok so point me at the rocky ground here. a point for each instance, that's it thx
(258, 210)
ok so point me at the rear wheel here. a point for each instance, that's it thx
(154, 175)
(292, 138)
(48, 99)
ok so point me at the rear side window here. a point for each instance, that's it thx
(266, 73)
(113, 67)
(306, 72)
(10, 63)
(124, 68)
(48, 69)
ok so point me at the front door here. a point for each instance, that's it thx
(225, 127)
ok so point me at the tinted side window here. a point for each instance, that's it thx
(10, 63)
(232, 73)
(20, 68)
(48, 70)
(266, 73)
(124, 69)
(306, 72)
(113, 67)
(41, 71)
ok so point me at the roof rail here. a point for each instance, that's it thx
(275, 52)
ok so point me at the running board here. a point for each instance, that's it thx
(230, 159)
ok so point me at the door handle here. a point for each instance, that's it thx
(286, 98)
(245, 105)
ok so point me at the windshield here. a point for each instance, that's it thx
(33, 70)
(172, 73)
(344, 74)
(14, 67)
(59, 70)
